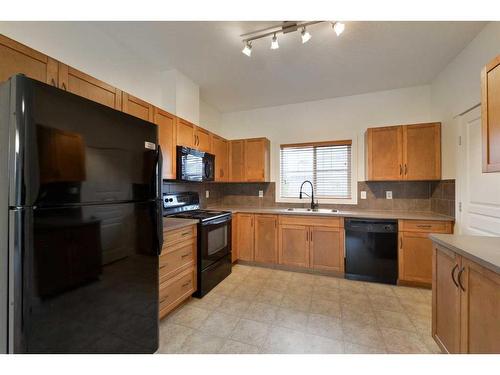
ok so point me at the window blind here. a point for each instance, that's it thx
(326, 164)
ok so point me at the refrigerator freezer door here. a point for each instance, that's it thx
(67, 150)
(90, 280)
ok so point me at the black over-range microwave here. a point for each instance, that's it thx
(194, 165)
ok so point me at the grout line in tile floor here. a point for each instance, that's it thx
(350, 316)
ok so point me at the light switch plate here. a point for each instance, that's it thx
(261, 193)
(388, 194)
(363, 194)
(207, 193)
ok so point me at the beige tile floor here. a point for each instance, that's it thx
(260, 310)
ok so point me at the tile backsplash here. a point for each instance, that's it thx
(431, 196)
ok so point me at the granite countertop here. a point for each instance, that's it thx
(171, 223)
(480, 249)
(370, 214)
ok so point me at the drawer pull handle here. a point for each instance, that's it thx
(423, 226)
(185, 234)
(186, 284)
(185, 255)
(164, 299)
(163, 266)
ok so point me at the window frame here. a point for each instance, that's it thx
(354, 181)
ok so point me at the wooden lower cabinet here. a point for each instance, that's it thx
(326, 248)
(177, 268)
(266, 239)
(415, 250)
(294, 245)
(446, 300)
(245, 237)
(480, 309)
(465, 304)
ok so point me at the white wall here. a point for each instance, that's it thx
(330, 119)
(210, 117)
(458, 88)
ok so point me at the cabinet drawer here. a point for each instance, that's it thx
(176, 290)
(173, 236)
(310, 220)
(425, 226)
(177, 257)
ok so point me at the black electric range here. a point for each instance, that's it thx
(214, 238)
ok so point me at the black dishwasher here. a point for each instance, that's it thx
(371, 250)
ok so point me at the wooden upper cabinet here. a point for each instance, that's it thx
(89, 87)
(490, 115)
(408, 152)
(384, 153)
(137, 107)
(327, 248)
(446, 300)
(422, 152)
(257, 152)
(166, 138)
(237, 160)
(266, 238)
(185, 133)
(16, 58)
(202, 139)
(245, 237)
(294, 245)
(220, 148)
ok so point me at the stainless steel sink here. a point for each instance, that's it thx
(318, 210)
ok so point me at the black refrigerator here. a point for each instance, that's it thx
(80, 224)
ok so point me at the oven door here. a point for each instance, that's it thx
(214, 241)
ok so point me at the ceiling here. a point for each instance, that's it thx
(367, 57)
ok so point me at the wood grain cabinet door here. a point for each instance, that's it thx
(245, 230)
(137, 107)
(480, 312)
(422, 152)
(327, 249)
(490, 115)
(166, 138)
(294, 245)
(89, 87)
(415, 257)
(384, 153)
(220, 149)
(266, 238)
(446, 300)
(202, 140)
(185, 133)
(16, 58)
(237, 160)
(256, 160)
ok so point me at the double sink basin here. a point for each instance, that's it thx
(318, 210)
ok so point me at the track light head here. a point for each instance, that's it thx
(338, 27)
(305, 36)
(274, 43)
(247, 50)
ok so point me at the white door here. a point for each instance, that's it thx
(478, 192)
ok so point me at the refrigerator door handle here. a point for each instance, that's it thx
(159, 200)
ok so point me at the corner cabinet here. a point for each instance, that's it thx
(406, 152)
(220, 148)
(465, 305)
(250, 160)
(490, 115)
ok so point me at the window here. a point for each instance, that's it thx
(326, 164)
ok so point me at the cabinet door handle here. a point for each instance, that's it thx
(453, 275)
(406, 169)
(63, 86)
(400, 169)
(401, 243)
(53, 82)
(459, 277)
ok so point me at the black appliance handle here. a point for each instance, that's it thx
(159, 201)
(217, 221)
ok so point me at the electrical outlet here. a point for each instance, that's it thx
(363, 194)
(261, 193)
(388, 194)
(207, 194)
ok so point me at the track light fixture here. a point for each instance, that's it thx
(274, 42)
(285, 28)
(247, 50)
(305, 36)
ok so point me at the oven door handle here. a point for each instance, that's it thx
(217, 221)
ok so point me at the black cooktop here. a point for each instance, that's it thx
(201, 214)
